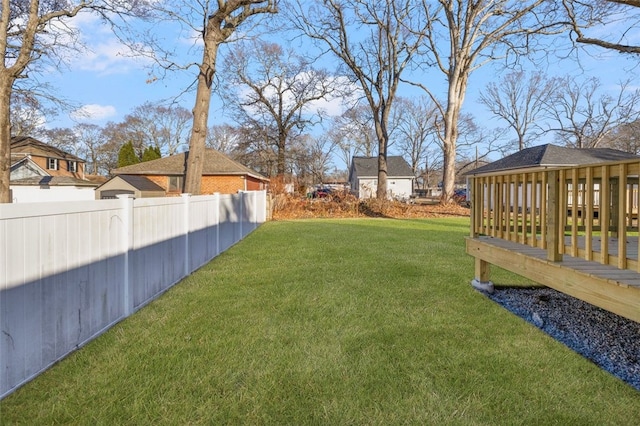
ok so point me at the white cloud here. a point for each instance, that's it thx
(93, 112)
(107, 57)
(102, 52)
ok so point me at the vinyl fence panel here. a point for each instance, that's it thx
(69, 271)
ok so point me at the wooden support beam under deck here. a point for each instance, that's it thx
(605, 286)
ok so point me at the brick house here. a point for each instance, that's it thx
(220, 174)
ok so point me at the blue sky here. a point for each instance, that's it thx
(108, 83)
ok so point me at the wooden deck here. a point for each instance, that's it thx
(572, 228)
(607, 286)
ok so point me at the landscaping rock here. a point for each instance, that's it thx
(610, 341)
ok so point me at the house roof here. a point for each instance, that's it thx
(397, 167)
(22, 146)
(52, 181)
(140, 183)
(553, 156)
(215, 163)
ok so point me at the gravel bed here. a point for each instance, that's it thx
(610, 341)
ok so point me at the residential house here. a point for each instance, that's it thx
(220, 174)
(41, 172)
(363, 177)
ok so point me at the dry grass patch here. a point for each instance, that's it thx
(286, 207)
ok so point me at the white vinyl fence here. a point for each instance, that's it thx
(69, 271)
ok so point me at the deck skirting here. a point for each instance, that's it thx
(606, 286)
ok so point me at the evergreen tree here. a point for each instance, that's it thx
(151, 153)
(127, 155)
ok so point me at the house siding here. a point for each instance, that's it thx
(63, 166)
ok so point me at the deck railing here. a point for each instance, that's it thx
(585, 211)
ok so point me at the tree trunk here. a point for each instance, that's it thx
(6, 84)
(197, 142)
(280, 161)
(457, 89)
(381, 192)
(383, 142)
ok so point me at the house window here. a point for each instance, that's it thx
(175, 183)
(52, 163)
(72, 166)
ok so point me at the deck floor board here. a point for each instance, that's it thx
(625, 277)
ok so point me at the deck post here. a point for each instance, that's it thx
(616, 184)
(482, 272)
(553, 217)
(482, 268)
(472, 185)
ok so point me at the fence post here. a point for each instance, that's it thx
(216, 220)
(266, 205)
(241, 213)
(254, 215)
(127, 238)
(186, 198)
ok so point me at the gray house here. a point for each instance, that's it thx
(363, 177)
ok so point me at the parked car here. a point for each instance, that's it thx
(321, 192)
(460, 196)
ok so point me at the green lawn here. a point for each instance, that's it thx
(367, 321)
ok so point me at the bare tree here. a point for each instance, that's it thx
(416, 130)
(465, 35)
(353, 133)
(271, 87)
(320, 151)
(63, 138)
(372, 42)
(620, 19)
(223, 138)
(583, 116)
(311, 159)
(28, 114)
(130, 129)
(254, 150)
(165, 127)
(92, 147)
(625, 137)
(430, 171)
(37, 31)
(86, 141)
(520, 102)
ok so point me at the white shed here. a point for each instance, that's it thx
(363, 177)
